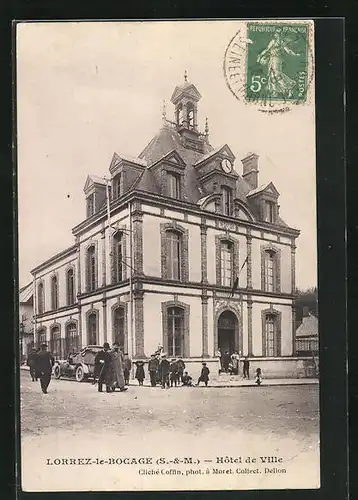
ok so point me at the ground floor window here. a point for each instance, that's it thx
(72, 339)
(272, 344)
(55, 342)
(41, 337)
(119, 326)
(175, 331)
(92, 328)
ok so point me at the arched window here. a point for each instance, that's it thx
(175, 331)
(270, 271)
(55, 342)
(40, 298)
(118, 257)
(180, 115)
(119, 326)
(54, 292)
(174, 254)
(92, 328)
(191, 116)
(70, 284)
(41, 336)
(226, 262)
(271, 341)
(72, 339)
(91, 268)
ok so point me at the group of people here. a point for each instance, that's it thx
(230, 363)
(111, 368)
(40, 361)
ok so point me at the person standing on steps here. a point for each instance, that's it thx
(44, 364)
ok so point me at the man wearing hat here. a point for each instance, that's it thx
(164, 369)
(153, 367)
(101, 367)
(44, 364)
(116, 368)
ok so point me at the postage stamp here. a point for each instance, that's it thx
(271, 64)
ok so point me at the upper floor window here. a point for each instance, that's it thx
(40, 298)
(91, 268)
(226, 262)
(54, 292)
(270, 270)
(269, 211)
(90, 205)
(174, 253)
(174, 185)
(271, 335)
(227, 200)
(118, 257)
(190, 110)
(70, 283)
(117, 186)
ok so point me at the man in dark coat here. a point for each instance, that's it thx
(187, 380)
(44, 364)
(181, 368)
(116, 376)
(31, 363)
(102, 366)
(204, 376)
(173, 373)
(164, 369)
(246, 367)
(139, 374)
(153, 366)
(226, 361)
(127, 365)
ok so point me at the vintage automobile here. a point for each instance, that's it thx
(79, 365)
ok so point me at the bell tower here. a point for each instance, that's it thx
(185, 99)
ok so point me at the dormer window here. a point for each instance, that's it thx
(117, 186)
(90, 205)
(226, 200)
(190, 110)
(173, 185)
(270, 212)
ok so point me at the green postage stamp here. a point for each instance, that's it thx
(271, 63)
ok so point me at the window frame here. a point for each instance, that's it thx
(54, 292)
(71, 297)
(91, 204)
(41, 298)
(185, 347)
(91, 268)
(69, 343)
(227, 200)
(92, 313)
(174, 185)
(275, 321)
(56, 341)
(224, 279)
(183, 252)
(275, 258)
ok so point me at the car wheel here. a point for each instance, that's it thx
(80, 374)
(57, 372)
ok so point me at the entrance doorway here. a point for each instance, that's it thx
(227, 332)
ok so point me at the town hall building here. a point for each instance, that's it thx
(164, 239)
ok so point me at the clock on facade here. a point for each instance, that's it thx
(226, 165)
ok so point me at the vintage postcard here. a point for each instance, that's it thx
(167, 255)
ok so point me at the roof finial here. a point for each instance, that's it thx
(185, 76)
(164, 111)
(206, 127)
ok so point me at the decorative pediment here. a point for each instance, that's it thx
(172, 157)
(223, 152)
(268, 188)
(118, 160)
(93, 180)
(188, 90)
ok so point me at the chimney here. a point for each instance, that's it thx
(250, 171)
(305, 312)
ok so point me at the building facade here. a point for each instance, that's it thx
(26, 326)
(163, 242)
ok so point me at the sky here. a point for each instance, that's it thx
(87, 90)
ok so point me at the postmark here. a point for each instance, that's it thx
(270, 64)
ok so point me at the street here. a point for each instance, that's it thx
(74, 419)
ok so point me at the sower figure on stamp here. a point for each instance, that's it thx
(164, 369)
(102, 363)
(31, 363)
(153, 366)
(127, 365)
(116, 376)
(44, 364)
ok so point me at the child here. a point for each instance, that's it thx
(187, 380)
(139, 374)
(204, 376)
(258, 376)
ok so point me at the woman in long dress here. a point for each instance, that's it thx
(273, 56)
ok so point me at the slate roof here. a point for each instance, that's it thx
(25, 293)
(308, 327)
